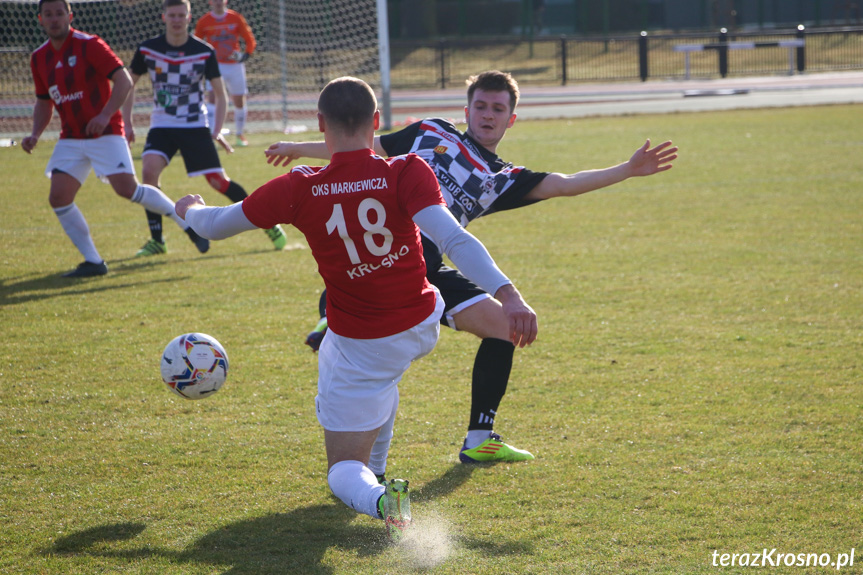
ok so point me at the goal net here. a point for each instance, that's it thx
(302, 44)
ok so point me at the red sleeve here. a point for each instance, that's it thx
(418, 186)
(271, 204)
(41, 88)
(103, 58)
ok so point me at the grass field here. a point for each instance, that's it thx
(696, 387)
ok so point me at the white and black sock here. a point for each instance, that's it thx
(153, 199)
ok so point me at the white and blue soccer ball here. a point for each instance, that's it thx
(194, 365)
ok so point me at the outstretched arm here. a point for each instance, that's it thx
(283, 153)
(215, 223)
(645, 161)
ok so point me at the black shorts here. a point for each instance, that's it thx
(458, 292)
(195, 144)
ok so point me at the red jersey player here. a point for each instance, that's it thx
(360, 216)
(476, 182)
(74, 72)
(224, 28)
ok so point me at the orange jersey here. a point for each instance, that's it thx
(225, 33)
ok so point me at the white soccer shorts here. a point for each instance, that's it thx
(106, 155)
(358, 378)
(234, 78)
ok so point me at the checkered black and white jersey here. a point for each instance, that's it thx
(474, 181)
(177, 74)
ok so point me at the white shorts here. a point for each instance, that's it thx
(358, 378)
(234, 78)
(106, 155)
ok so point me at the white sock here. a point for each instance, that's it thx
(381, 448)
(475, 437)
(356, 486)
(240, 120)
(153, 199)
(178, 220)
(76, 228)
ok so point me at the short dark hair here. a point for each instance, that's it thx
(170, 3)
(66, 2)
(494, 81)
(348, 104)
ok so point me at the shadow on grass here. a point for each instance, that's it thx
(27, 289)
(294, 542)
(456, 476)
(52, 286)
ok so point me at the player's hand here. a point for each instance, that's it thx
(647, 161)
(220, 139)
(282, 153)
(28, 143)
(523, 327)
(130, 134)
(183, 204)
(96, 126)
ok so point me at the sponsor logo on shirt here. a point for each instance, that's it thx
(73, 60)
(59, 98)
(440, 150)
(454, 188)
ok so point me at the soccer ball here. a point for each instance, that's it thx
(194, 365)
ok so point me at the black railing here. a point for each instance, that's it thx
(543, 61)
(567, 60)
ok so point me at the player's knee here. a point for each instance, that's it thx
(484, 319)
(124, 185)
(218, 182)
(63, 190)
(60, 200)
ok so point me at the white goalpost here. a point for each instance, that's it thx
(302, 44)
(384, 65)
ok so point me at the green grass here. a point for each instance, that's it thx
(696, 385)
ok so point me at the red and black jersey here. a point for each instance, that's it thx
(357, 215)
(76, 78)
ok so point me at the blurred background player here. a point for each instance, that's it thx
(178, 63)
(475, 182)
(360, 216)
(224, 28)
(78, 74)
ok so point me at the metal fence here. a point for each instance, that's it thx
(569, 60)
(545, 61)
